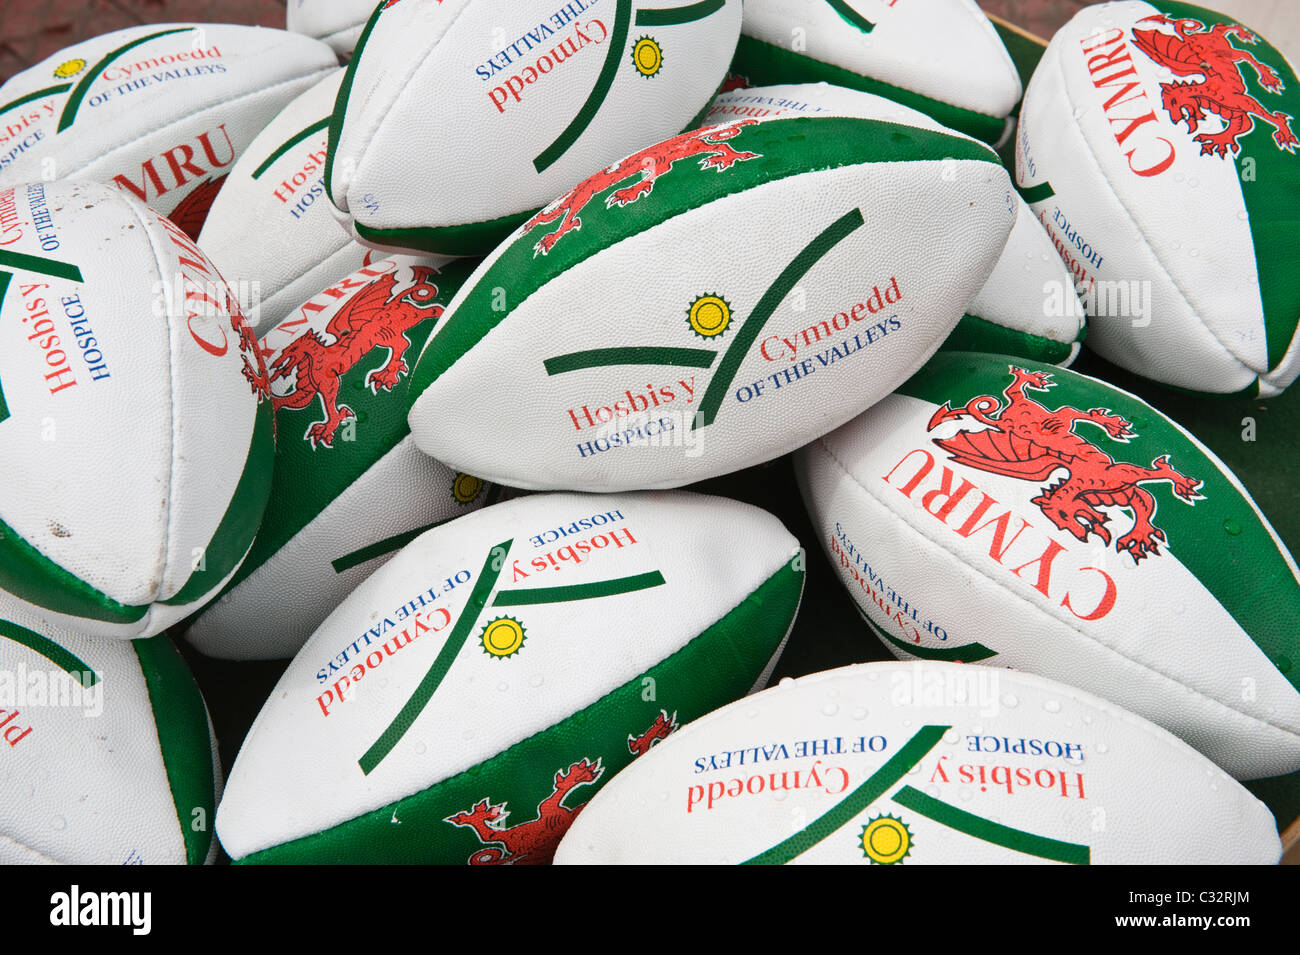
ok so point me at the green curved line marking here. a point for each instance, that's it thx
(675, 15)
(289, 144)
(985, 830)
(65, 660)
(181, 723)
(20, 261)
(768, 64)
(74, 101)
(1038, 193)
(601, 588)
(708, 671)
(4, 289)
(473, 238)
(842, 813)
(974, 333)
(381, 547)
(647, 355)
(617, 40)
(29, 575)
(438, 671)
(851, 16)
(967, 653)
(234, 535)
(830, 237)
(341, 101)
(39, 94)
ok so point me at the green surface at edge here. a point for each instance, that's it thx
(765, 64)
(715, 668)
(785, 147)
(181, 720)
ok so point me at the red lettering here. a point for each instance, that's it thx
(944, 491)
(1044, 562)
(177, 166)
(907, 489)
(1159, 167)
(148, 177)
(205, 140)
(1104, 606)
(207, 346)
(997, 549)
(1113, 35)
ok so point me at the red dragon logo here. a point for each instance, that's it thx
(192, 211)
(1192, 50)
(1025, 440)
(379, 316)
(709, 143)
(658, 731)
(255, 373)
(734, 81)
(533, 842)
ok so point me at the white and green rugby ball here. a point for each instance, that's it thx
(1157, 143)
(711, 302)
(904, 764)
(336, 22)
(1013, 514)
(161, 111)
(459, 118)
(108, 753)
(350, 487)
(942, 57)
(1028, 305)
(136, 437)
(270, 230)
(465, 701)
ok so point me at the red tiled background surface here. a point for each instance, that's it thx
(31, 31)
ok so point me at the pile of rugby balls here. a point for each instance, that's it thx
(293, 321)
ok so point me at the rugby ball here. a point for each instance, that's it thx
(923, 764)
(942, 57)
(108, 752)
(336, 22)
(135, 444)
(1157, 144)
(1012, 514)
(270, 230)
(162, 111)
(711, 302)
(465, 701)
(349, 487)
(459, 119)
(1028, 305)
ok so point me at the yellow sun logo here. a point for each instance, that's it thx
(503, 637)
(466, 487)
(647, 57)
(886, 840)
(69, 68)
(709, 316)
